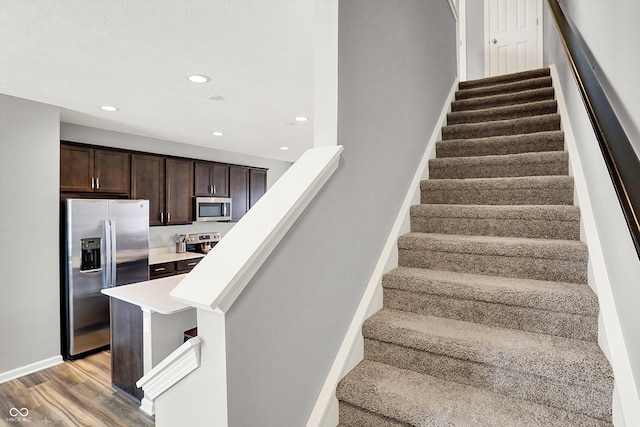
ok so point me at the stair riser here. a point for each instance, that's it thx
(502, 113)
(502, 128)
(559, 394)
(504, 88)
(524, 267)
(538, 142)
(352, 416)
(535, 229)
(498, 170)
(473, 196)
(503, 100)
(523, 318)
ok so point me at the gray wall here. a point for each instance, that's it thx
(163, 236)
(623, 266)
(397, 63)
(29, 212)
(610, 29)
(475, 39)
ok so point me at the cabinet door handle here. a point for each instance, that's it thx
(214, 189)
(168, 217)
(159, 269)
(191, 264)
(162, 217)
(97, 183)
(210, 189)
(93, 183)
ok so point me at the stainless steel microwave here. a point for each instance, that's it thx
(212, 209)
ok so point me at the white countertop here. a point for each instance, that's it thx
(152, 294)
(159, 258)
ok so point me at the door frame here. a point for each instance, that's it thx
(539, 36)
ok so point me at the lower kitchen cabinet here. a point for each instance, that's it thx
(165, 269)
(127, 359)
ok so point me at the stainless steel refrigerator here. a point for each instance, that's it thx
(106, 244)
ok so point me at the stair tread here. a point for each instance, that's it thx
(422, 400)
(496, 246)
(557, 358)
(522, 125)
(501, 144)
(501, 159)
(504, 87)
(539, 294)
(527, 212)
(545, 181)
(522, 75)
(494, 113)
(514, 98)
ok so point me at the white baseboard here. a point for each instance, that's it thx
(351, 351)
(30, 368)
(626, 401)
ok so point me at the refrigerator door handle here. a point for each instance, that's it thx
(112, 254)
(107, 254)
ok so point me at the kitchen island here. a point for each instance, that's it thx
(146, 326)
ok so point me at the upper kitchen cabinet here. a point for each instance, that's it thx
(92, 170)
(257, 185)
(211, 179)
(147, 172)
(239, 188)
(179, 191)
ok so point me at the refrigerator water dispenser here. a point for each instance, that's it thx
(90, 259)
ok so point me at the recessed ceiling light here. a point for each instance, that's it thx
(216, 97)
(301, 119)
(108, 108)
(284, 148)
(198, 78)
(217, 133)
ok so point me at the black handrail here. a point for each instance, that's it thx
(619, 156)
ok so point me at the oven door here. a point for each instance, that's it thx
(212, 209)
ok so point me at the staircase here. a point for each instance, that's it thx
(488, 320)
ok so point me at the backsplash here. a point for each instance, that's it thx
(163, 236)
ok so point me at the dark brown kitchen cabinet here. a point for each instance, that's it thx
(171, 268)
(239, 191)
(179, 191)
(148, 182)
(127, 363)
(92, 170)
(211, 179)
(257, 185)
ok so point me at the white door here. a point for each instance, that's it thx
(514, 30)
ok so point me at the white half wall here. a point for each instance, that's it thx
(29, 224)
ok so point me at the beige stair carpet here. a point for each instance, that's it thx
(488, 320)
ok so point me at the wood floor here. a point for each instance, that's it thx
(75, 393)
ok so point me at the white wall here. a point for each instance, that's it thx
(163, 236)
(622, 263)
(29, 224)
(610, 29)
(396, 65)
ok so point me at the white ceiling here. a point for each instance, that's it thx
(137, 54)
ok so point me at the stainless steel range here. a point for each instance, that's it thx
(202, 242)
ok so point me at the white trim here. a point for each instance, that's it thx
(30, 368)
(540, 33)
(610, 338)
(184, 360)
(487, 37)
(221, 276)
(454, 11)
(462, 40)
(325, 410)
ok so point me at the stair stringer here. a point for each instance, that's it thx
(626, 399)
(351, 351)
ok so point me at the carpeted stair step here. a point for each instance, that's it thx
(554, 308)
(539, 259)
(563, 373)
(505, 78)
(533, 190)
(379, 395)
(524, 125)
(506, 165)
(503, 112)
(500, 145)
(522, 97)
(537, 222)
(503, 88)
